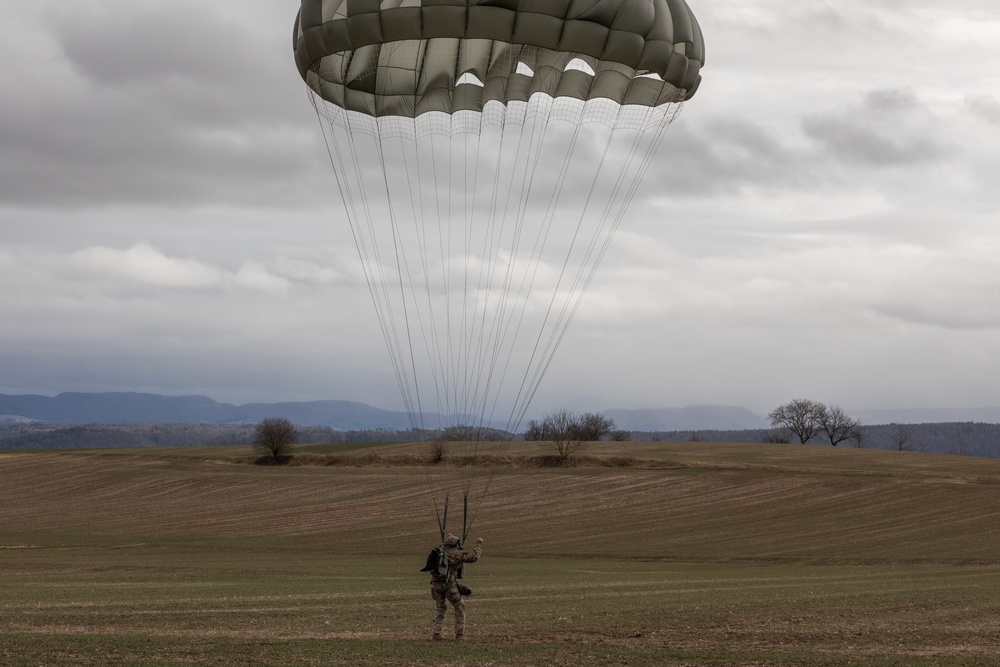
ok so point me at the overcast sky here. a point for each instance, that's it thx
(823, 220)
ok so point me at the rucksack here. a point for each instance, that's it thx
(437, 564)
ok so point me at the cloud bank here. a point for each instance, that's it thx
(820, 221)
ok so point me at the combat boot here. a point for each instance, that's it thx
(460, 638)
(437, 636)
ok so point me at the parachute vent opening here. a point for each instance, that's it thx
(524, 70)
(469, 78)
(580, 66)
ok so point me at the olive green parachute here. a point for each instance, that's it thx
(485, 152)
(408, 57)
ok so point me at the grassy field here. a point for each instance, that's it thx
(680, 554)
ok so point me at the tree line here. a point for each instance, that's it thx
(562, 431)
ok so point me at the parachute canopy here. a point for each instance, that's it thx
(408, 57)
(485, 152)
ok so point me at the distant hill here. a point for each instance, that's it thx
(137, 408)
(698, 417)
(140, 408)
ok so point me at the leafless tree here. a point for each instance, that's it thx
(437, 450)
(801, 416)
(837, 426)
(535, 431)
(900, 435)
(593, 426)
(273, 438)
(560, 430)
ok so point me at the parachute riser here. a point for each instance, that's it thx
(443, 518)
(465, 517)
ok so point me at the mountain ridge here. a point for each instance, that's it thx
(137, 407)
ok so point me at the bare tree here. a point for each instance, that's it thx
(561, 430)
(273, 438)
(900, 435)
(535, 431)
(436, 451)
(837, 426)
(592, 426)
(801, 416)
(588, 427)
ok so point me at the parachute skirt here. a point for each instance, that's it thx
(524, 83)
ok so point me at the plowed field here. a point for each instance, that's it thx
(680, 554)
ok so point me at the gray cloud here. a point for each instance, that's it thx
(888, 128)
(985, 108)
(983, 316)
(149, 46)
(719, 155)
(152, 104)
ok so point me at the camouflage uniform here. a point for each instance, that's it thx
(444, 591)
